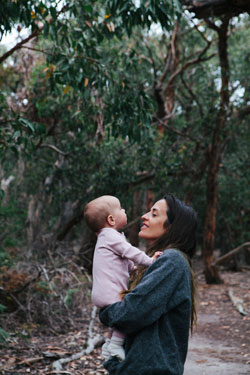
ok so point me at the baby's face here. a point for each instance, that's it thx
(118, 213)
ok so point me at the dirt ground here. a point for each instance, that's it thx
(219, 345)
(221, 341)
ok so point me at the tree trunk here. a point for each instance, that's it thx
(164, 93)
(211, 273)
(133, 232)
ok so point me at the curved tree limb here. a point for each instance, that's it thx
(192, 94)
(231, 253)
(175, 131)
(191, 62)
(52, 147)
(19, 45)
(34, 34)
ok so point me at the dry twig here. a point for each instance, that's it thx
(237, 302)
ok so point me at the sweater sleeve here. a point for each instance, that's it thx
(160, 290)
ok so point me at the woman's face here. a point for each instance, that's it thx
(153, 221)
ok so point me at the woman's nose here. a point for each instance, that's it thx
(145, 216)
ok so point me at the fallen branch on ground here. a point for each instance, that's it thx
(237, 302)
(231, 253)
(92, 343)
(226, 257)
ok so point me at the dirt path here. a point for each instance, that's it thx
(209, 357)
(221, 342)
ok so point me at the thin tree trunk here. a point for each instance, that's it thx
(165, 98)
(133, 232)
(210, 270)
(30, 220)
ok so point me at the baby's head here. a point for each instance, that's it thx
(105, 212)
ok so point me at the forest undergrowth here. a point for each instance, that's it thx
(65, 318)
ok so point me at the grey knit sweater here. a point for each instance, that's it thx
(155, 317)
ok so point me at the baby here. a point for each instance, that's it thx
(114, 258)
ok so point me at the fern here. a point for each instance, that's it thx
(3, 336)
(69, 297)
(2, 308)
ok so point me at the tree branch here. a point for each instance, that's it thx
(170, 56)
(130, 224)
(19, 45)
(197, 60)
(52, 147)
(193, 96)
(231, 253)
(31, 36)
(38, 50)
(185, 135)
(141, 181)
(91, 59)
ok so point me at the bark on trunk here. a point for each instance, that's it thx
(210, 270)
(33, 218)
(164, 93)
(133, 232)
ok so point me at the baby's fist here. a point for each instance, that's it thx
(157, 254)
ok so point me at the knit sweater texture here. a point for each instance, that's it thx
(155, 318)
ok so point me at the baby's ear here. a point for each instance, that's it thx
(110, 220)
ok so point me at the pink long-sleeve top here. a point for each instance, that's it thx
(114, 258)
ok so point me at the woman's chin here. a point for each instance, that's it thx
(141, 234)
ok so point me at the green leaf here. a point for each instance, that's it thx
(40, 128)
(88, 8)
(3, 335)
(53, 13)
(28, 124)
(1, 194)
(46, 28)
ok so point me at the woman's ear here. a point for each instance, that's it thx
(111, 220)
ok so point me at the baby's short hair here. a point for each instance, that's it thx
(96, 213)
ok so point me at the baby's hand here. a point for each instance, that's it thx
(157, 254)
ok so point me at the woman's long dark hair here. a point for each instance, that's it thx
(180, 234)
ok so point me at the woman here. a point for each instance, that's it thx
(158, 312)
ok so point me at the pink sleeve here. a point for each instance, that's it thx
(126, 250)
(131, 266)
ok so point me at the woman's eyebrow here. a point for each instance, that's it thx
(155, 209)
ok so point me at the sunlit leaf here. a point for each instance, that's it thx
(86, 81)
(66, 89)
